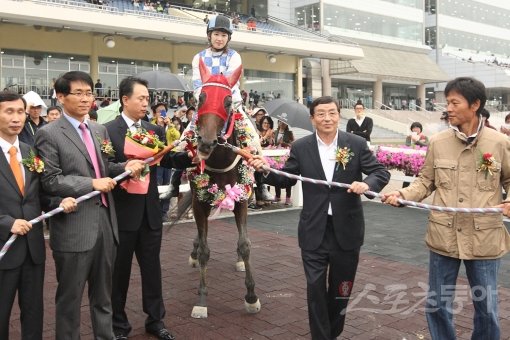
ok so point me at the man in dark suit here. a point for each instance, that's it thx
(83, 243)
(331, 227)
(361, 125)
(139, 218)
(22, 267)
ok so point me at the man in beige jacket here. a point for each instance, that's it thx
(466, 165)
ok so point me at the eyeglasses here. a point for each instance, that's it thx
(323, 114)
(80, 95)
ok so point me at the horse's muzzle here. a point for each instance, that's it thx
(205, 148)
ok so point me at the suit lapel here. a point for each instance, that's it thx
(122, 128)
(6, 171)
(342, 141)
(25, 153)
(70, 132)
(315, 157)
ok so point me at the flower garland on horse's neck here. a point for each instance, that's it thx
(208, 192)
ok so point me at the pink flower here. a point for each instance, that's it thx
(232, 195)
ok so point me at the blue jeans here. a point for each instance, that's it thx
(482, 276)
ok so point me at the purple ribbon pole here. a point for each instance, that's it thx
(368, 192)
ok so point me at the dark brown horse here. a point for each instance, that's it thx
(223, 168)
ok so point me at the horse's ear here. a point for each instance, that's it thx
(204, 71)
(234, 77)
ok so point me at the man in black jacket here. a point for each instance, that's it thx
(331, 227)
(139, 218)
(361, 125)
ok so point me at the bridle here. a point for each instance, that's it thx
(228, 126)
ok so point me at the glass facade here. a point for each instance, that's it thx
(371, 23)
(281, 84)
(35, 71)
(476, 11)
(359, 21)
(308, 16)
(393, 94)
(474, 42)
(112, 71)
(408, 3)
(23, 71)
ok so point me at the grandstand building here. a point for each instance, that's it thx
(41, 39)
(472, 38)
(395, 68)
(391, 54)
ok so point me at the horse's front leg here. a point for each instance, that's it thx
(193, 257)
(251, 301)
(202, 210)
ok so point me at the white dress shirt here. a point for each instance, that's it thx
(130, 123)
(328, 161)
(5, 150)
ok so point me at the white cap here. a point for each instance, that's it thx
(33, 99)
(257, 109)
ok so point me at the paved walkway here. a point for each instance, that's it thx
(387, 297)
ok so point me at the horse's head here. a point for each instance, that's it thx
(214, 107)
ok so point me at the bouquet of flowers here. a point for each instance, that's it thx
(141, 144)
(407, 161)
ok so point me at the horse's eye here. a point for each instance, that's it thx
(227, 101)
(201, 99)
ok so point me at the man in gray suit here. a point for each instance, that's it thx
(84, 242)
(332, 226)
(22, 267)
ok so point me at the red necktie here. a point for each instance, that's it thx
(89, 144)
(16, 168)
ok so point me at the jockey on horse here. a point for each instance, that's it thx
(218, 58)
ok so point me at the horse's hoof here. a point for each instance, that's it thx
(240, 266)
(252, 308)
(200, 312)
(193, 262)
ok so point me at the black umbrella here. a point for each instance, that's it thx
(161, 80)
(290, 112)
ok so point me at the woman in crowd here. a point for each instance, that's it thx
(416, 137)
(283, 138)
(266, 132)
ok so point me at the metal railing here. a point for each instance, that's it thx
(79, 5)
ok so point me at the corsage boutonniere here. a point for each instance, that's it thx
(106, 147)
(343, 156)
(487, 164)
(33, 162)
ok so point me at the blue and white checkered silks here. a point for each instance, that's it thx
(225, 62)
